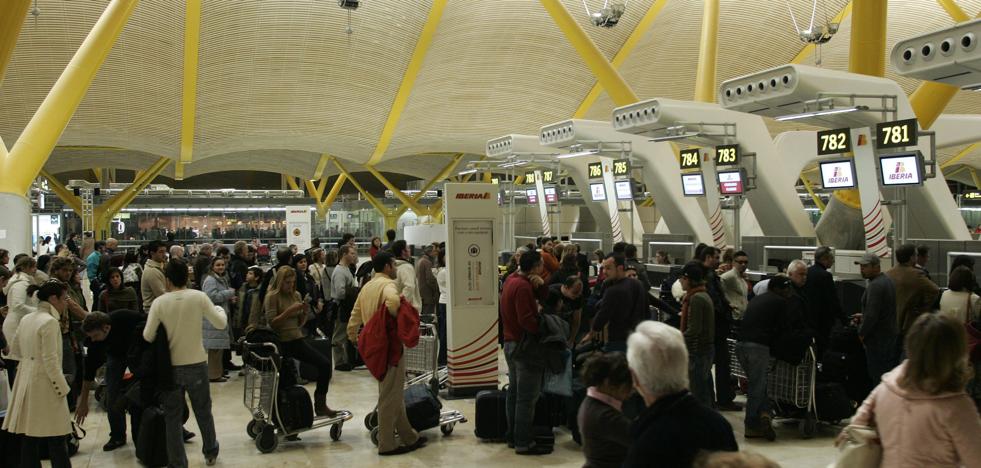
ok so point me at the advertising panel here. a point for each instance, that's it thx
(692, 184)
(838, 174)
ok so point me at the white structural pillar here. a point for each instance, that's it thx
(15, 224)
(876, 224)
(542, 204)
(471, 215)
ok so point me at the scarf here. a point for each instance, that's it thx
(684, 305)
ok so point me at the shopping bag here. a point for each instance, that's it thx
(561, 383)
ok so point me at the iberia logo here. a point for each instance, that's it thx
(473, 196)
(900, 172)
(837, 177)
(837, 172)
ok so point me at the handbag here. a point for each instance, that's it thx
(861, 448)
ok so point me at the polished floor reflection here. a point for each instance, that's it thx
(356, 391)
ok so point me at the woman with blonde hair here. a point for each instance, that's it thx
(922, 414)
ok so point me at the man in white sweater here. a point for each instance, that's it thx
(181, 312)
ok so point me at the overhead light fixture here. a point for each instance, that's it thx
(577, 154)
(468, 171)
(974, 87)
(513, 164)
(820, 113)
(680, 136)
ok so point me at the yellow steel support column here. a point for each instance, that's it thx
(929, 101)
(3, 150)
(390, 216)
(12, 15)
(179, 171)
(35, 143)
(708, 50)
(65, 194)
(316, 193)
(318, 173)
(964, 152)
(291, 182)
(628, 46)
(810, 191)
(189, 103)
(408, 80)
(954, 10)
(605, 73)
(443, 174)
(867, 49)
(398, 193)
(975, 178)
(104, 212)
(866, 55)
(97, 173)
(335, 190)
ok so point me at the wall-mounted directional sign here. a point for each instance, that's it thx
(896, 134)
(727, 155)
(548, 176)
(835, 141)
(595, 170)
(621, 167)
(972, 195)
(690, 158)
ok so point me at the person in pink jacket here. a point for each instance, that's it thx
(920, 409)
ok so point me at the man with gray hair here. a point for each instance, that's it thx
(675, 427)
(821, 296)
(176, 251)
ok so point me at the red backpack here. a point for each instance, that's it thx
(381, 340)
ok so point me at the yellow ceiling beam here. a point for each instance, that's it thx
(614, 84)
(39, 137)
(335, 190)
(367, 196)
(318, 173)
(12, 15)
(809, 49)
(97, 173)
(708, 51)
(964, 152)
(441, 175)
(625, 50)
(192, 41)
(64, 193)
(408, 80)
(867, 48)
(954, 10)
(179, 171)
(112, 206)
(291, 182)
(398, 193)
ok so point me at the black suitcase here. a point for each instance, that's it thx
(490, 415)
(832, 401)
(422, 407)
(543, 436)
(151, 443)
(309, 371)
(550, 410)
(294, 407)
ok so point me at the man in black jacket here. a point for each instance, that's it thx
(724, 391)
(283, 258)
(821, 298)
(623, 306)
(674, 428)
(238, 265)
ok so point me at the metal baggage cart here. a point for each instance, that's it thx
(421, 365)
(790, 387)
(259, 397)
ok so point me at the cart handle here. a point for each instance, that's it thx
(267, 345)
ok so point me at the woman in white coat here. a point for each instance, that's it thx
(19, 304)
(38, 408)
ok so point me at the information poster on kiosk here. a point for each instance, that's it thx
(471, 253)
(298, 226)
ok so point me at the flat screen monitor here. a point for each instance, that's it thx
(598, 192)
(550, 195)
(693, 185)
(532, 195)
(838, 174)
(901, 169)
(731, 182)
(624, 189)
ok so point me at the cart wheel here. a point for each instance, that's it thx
(808, 426)
(447, 429)
(267, 441)
(374, 436)
(371, 420)
(253, 429)
(335, 432)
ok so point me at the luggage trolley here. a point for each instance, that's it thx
(790, 387)
(421, 365)
(260, 397)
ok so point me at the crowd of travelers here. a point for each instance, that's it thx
(641, 371)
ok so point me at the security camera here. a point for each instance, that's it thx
(608, 16)
(349, 4)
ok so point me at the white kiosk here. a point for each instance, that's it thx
(471, 217)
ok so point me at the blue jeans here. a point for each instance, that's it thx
(192, 379)
(881, 357)
(755, 360)
(441, 330)
(524, 388)
(700, 376)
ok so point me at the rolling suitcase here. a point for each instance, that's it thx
(491, 415)
(294, 407)
(832, 402)
(543, 437)
(422, 407)
(151, 443)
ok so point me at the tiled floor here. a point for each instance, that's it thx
(356, 391)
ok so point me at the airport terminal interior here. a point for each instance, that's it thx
(602, 233)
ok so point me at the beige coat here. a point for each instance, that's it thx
(381, 287)
(152, 284)
(922, 430)
(37, 402)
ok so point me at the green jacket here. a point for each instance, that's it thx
(700, 329)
